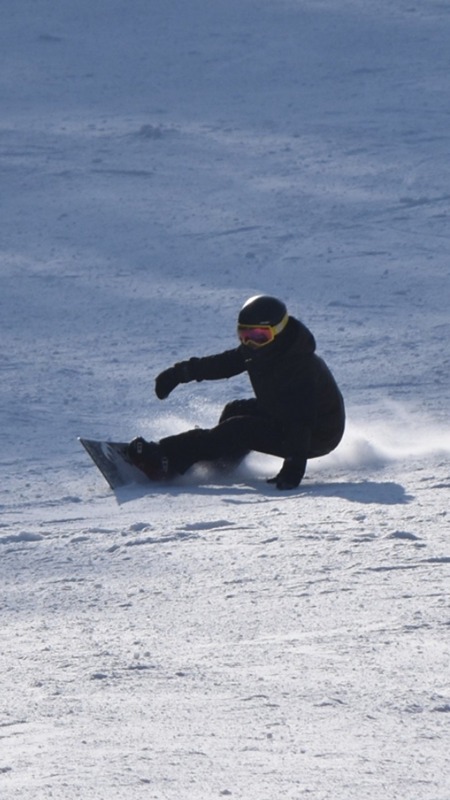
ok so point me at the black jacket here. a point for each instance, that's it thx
(292, 385)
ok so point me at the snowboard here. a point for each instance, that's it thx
(112, 461)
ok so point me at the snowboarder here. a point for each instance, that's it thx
(297, 412)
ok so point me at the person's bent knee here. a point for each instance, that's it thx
(238, 408)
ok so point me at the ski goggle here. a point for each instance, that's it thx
(260, 335)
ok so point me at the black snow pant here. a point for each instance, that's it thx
(242, 428)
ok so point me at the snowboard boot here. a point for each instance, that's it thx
(147, 457)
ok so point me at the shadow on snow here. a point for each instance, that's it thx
(366, 492)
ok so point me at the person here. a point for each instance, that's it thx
(297, 411)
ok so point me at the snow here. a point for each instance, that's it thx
(160, 163)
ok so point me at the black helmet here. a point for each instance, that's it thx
(262, 310)
(265, 313)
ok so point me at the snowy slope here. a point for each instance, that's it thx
(161, 162)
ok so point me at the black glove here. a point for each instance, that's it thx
(290, 475)
(167, 381)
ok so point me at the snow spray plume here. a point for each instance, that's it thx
(398, 434)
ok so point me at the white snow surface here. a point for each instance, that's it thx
(161, 161)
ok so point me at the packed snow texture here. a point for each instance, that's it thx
(162, 161)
